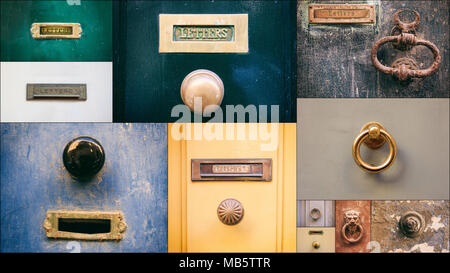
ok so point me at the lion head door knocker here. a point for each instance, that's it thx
(412, 224)
(352, 231)
(403, 37)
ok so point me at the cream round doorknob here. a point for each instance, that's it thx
(202, 86)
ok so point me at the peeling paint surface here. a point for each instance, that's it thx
(34, 180)
(385, 229)
(333, 60)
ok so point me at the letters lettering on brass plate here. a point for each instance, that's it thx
(84, 225)
(58, 91)
(231, 169)
(341, 13)
(203, 33)
(56, 30)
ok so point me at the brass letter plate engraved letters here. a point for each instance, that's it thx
(56, 30)
(203, 33)
(231, 169)
(341, 13)
(56, 91)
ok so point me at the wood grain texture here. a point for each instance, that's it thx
(34, 180)
(333, 61)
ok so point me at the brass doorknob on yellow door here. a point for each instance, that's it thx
(374, 135)
(230, 211)
(202, 86)
(316, 245)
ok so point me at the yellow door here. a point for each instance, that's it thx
(268, 222)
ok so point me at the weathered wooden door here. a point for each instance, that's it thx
(221, 201)
(334, 59)
(35, 183)
(148, 77)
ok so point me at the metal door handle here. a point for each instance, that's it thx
(412, 224)
(374, 135)
(352, 227)
(230, 211)
(205, 85)
(83, 157)
(406, 69)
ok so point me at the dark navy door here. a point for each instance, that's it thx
(147, 82)
(34, 180)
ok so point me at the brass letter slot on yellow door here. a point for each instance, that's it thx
(55, 30)
(84, 225)
(341, 13)
(203, 33)
(231, 169)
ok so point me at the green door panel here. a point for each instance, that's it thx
(95, 18)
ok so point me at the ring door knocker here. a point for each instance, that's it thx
(374, 135)
(352, 231)
(405, 68)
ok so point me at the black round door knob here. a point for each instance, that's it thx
(83, 157)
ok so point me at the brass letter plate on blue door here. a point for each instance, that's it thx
(231, 169)
(56, 91)
(84, 225)
(341, 13)
(55, 30)
(203, 33)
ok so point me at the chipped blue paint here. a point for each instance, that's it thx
(34, 180)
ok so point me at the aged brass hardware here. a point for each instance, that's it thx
(83, 157)
(412, 224)
(341, 13)
(56, 30)
(374, 135)
(84, 225)
(203, 33)
(231, 169)
(230, 211)
(315, 214)
(202, 84)
(352, 231)
(56, 91)
(405, 40)
(316, 245)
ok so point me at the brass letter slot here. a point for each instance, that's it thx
(341, 13)
(231, 169)
(56, 91)
(84, 225)
(315, 232)
(203, 33)
(55, 30)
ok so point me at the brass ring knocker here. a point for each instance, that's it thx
(374, 135)
(405, 41)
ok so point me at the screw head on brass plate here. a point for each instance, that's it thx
(230, 211)
(412, 224)
(202, 84)
(83, 157)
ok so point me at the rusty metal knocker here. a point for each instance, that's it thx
(374, 135)
(405, 41)
(352, 227)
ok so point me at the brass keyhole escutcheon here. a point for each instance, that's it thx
(200, 89)
(412, 224)
(83, 157)
(374, 135)
(316, 245)
(230, 211)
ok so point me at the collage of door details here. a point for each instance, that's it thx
(296, 126)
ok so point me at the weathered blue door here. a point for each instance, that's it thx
(133, 180)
